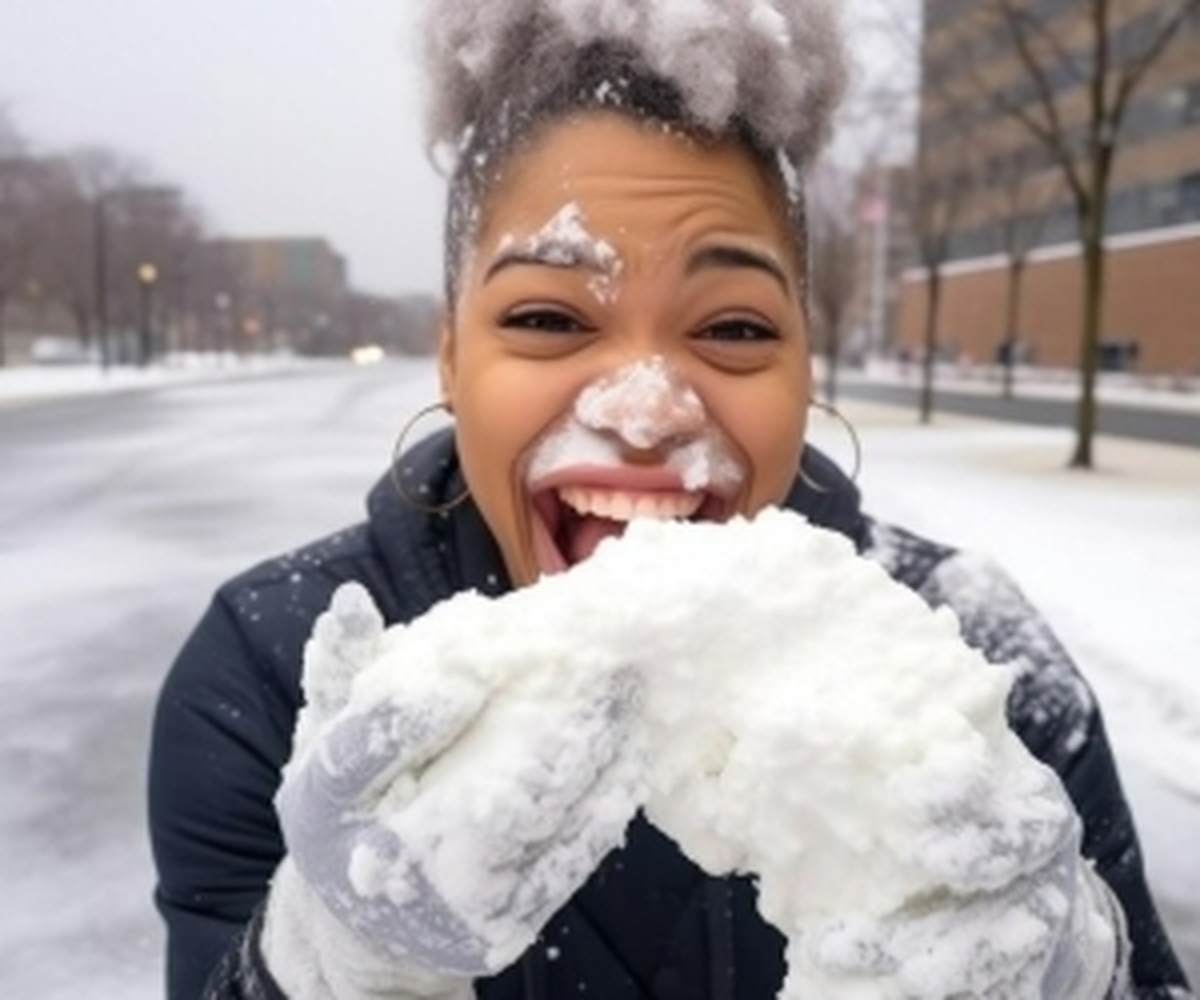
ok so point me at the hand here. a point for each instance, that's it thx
(445, 808)
(1037, 923)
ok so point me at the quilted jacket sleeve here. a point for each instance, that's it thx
(1055, 714)
(222, 731)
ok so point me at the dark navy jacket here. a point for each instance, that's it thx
(649, 923)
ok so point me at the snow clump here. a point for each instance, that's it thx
(800, 717)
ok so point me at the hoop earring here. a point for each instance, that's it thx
(837, 414)
(397, 451)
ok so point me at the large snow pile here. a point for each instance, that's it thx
(801, 717)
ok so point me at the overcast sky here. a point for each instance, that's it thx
(278, 117)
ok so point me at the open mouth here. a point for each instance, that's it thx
(571, 518)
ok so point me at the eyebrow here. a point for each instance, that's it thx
(738, 257)
(568, 254)
(564, 254)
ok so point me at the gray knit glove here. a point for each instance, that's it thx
(1033, 922)
(438, 820)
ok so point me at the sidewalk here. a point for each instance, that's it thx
(988, 446)
(1173, 392)
(1164, 410)
(31, 383)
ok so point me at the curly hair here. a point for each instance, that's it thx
(766, 74)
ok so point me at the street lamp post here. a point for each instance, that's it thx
(147, 276)
(223, 302)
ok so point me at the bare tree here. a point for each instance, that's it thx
(12, 143)
(834, 253)
(64, 265)
(1028, 200)
(939, 189)
(1104, 50)
(417, 317)
(22, 182)
(100, 174)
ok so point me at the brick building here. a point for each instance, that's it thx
(1151, 317)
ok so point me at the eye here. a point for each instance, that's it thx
(737, 330)
(543, 319)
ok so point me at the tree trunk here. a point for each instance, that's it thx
(1093, 307)
(831, 372)
(3, 332)
(100, 278)
(81, 316)
(1016, 272)
(934, 297)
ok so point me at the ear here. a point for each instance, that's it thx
(447, 369)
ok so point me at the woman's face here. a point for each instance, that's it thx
(628, 341)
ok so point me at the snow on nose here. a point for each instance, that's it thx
(645, 404)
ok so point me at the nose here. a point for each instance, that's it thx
(646, 404)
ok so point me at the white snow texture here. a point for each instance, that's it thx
(777, 65)
(804, 718)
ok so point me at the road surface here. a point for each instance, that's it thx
(119, 514)
(1157, 424)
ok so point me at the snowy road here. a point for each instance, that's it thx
(119, 513)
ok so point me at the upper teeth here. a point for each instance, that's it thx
(616, 505)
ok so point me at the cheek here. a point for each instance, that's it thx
(766, 421)
(497, 416)
(502, 408)
(775, 446)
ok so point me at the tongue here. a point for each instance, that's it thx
(587, 533)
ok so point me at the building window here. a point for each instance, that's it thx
(1162, 208)
(1189, 196)
(1191, 104)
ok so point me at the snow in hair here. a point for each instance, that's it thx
(776, 66)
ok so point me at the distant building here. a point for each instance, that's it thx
(1151, 317)
(279, 292)
(289, 266)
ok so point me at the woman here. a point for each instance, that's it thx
(625, 335)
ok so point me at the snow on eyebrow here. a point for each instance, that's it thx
(565, 241)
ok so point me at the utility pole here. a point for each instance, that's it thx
(881, 216)
(100, 235)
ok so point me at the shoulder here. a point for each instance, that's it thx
(1051, 706)
(239, 670)
(274, 604)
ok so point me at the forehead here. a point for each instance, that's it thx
(635, 182)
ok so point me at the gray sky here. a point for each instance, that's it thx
(278, 117)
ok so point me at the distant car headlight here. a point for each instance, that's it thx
(368, 354)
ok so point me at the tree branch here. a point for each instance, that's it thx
(1134, 73)
(1052, 133)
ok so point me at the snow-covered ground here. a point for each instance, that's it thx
(28, 383)
(116, 523)
(1174, 392)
